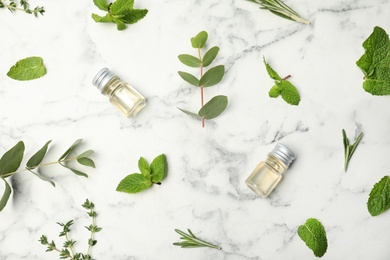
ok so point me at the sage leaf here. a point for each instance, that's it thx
(189, 60)
(144, 167)
(199, 41)
(190, 113)
(86, 162)
(37, 158)
(6, 195)
(189, 78)
(67, 152)
(27, 69)
(159, 168)
(210, 55)
(11, 160)
(379, 198)
(212, 77)
(134, 183)
(101, 4)
(314, 235)
(214, 107)
(42, 177)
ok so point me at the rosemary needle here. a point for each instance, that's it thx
(191, 241)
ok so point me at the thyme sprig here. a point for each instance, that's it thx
(191, 241)
(25, 7)
(281, 9)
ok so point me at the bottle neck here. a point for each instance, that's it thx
(275, 163)
(110, 87)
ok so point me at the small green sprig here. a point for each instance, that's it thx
(11, 160)
(213, 76)
(12, 6)
(191, 241)
(349, 149)
(281, 9)
(68, 250)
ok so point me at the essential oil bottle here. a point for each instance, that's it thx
(123, 96)
(268, 174)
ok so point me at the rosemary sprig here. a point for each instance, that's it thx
(191, 241)
(281, 9)
(349, 149)
(12, 6)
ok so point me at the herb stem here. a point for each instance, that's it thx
(201, 87)
(287, 77)
(70, 245)
(92, 233)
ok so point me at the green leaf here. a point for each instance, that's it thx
(213, 76)
(134, 183)
(27, 69)
(85, 154)
(37, 158)
(6, 195)
(105, 19)
(288, 92)
(121, 6)
(271, 72)
(120, 25)
(379, 198)
(210, 56)
(77, 172)
(76, 143)
(314, 235)
(274, 91)
(11, 160)
(159, 168)
(144, 167)
(86, 161)
(190, 113)
(134, 15)
(214, 107)
(43, 177)
(189, 60)
(101, 4)
(189, 78)
(379, 84)
(199, 41)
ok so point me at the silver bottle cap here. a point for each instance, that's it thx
(102, 78)
(283, 153)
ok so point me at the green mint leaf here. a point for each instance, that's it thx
(67, 152)
(27, 69)
(101, 4)
(133, 15)
(6, 195)
(288, 92)
(274, 91)
(210, 56)
(11, 160)
(214, 107)
(86, 162)
(379, 84)
(159, 168)
(37, 158)
(199, 41)
(134, 183)
(213, 76)
(120, 25)
(105, 19)
(144, 167)
(121, 6)
(190, 113)
(189, 78)
(43, 177)
(273, 74)
(379, 198)
(190, 60)
(314, 235)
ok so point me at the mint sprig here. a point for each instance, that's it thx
(150, 174)
(379, 198)
(120, 12)
(282, 87)
(314, 235)
(27, 69)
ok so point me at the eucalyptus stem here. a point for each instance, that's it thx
(201, 87)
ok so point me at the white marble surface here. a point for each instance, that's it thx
(205, 188)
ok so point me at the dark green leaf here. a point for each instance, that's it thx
(134, 15)
(11, 160)
(210, 56)
(37, 158)
(27, 69)
(314, 235)
(144, 167)
(159, 168)
(214, 107)
(199, 41)
(189, 78)
(6, 194)
(189, 60)
(379, 198)
(102, 19)
(43, 177)
(190, 113)
(120, 25)
(134, 183)
(101, 4)
(212, 77)
(76, 143)
(86, 161)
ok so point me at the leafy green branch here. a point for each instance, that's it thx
(68, 250)
(11, 160)
(25, 7)
(213, 76)
(191, 241)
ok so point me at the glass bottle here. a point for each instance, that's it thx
(268, 174)
(123, 96)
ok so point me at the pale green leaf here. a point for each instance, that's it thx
(43, 177)
(271, 72)
(210, 56)
(274, 91)
(189, 78)
(6, 195)
(190, 113)
(120, 25)
(212, 77)
(101, 4)
(11, 160)
(144, 167)
(190, 60)
(134, 183)
(379, 198)
(37, 158)
(314, 235)
(102, 19)
(288, 92)
(159, 168)
(85, 154)
(199, 41)
(121, 6)
(214, 107)
(27, 69)
(86, 162)
(67, 152)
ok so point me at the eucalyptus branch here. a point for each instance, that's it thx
(25, 7)
(191, 241)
